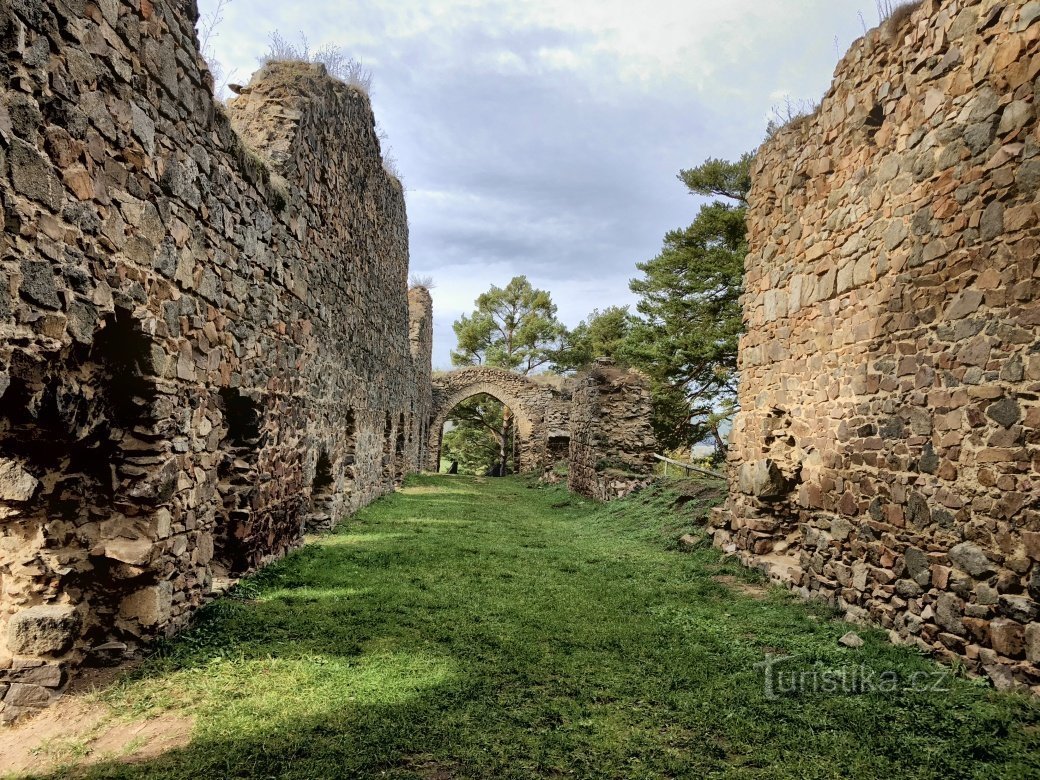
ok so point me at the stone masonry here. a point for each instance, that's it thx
(532, 403)
(206, 338)
(612, 441)
(887, 453)
(597, 422)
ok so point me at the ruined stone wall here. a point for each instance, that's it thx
(205, 331)
(530, 402)
(887, 454)
(611, 438)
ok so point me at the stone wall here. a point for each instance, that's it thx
(206, 338)
(611, 438)
(887, 454)
(533, 404)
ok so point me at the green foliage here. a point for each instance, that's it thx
(475, 440)
(499, 629)
(690, 300)
(720, 178)
(602, 334)
(514, 327)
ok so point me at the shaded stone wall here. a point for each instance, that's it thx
(205, 330)
(611, 438)
(887, 454)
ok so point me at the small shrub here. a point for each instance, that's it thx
(425, 282)
(896, 17)
(789, 113)
(336, 61)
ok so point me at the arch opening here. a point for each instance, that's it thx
(532, 406)
(481, 435)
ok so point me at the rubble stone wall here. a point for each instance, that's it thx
(530, 401)
(612, 442)
(206, 338)
(887, 454)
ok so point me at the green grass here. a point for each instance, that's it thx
(469, 628)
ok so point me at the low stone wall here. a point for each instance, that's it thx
(887, 452)
(205, 331)
(611, 438)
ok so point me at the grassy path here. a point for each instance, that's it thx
(469, 628)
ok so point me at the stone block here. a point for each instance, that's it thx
(43, 630)
(1032, 642)
(16, 484)
(149, 606)
(971, 558)
(762, 479)
(47, 675)
(1007, 637)
(27, 696)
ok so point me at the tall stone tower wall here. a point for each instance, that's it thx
(887, 452)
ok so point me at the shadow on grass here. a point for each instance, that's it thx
(565, 643)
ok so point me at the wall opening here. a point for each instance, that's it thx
(237, 481)
(559, 447)
(388, 448)
(78, 444)
(322, 493)
(399, 451)
(479, 434)
(349, 453)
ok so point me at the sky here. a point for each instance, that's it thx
(544, 137)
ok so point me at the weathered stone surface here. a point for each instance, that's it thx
(149, 606)
(32, 175)
(38, 283)
(1032, 642)
(904, 399)
(43, 630)
(972, 559)
(851, 639)
(611, 439)
(199, 304)
(1020, 608)
(16, 484)
(763, 479)
(918, 566)
(28, 696)
(1007, 637)
(47, 675)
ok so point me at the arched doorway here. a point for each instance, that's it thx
(481, 435)
(528, 401)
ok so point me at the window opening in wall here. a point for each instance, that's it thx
(237, 482)
(350, 452)
(399, 451)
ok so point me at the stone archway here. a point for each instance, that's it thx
(529, 401)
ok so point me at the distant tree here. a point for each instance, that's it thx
(602, 334)
(513, 327)
(689, 296)
(475, 437)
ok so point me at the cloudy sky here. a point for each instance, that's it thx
(543, 137)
